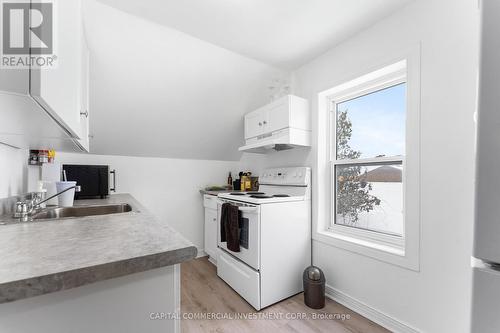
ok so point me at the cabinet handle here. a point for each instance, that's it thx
(214, 219)
(265, 122)
(86, 113)
(260, 124)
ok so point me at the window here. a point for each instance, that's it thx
(368, 164)
(369, 146)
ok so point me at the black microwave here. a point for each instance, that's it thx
(93, 180)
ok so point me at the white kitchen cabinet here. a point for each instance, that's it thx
(210, 204)
(255, 123)
(287, 112)
(279, 115)
(58, 89)
(48, 108)
(23, 123)
(211, 232)
(282, 124)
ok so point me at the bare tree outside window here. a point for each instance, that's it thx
(353, 190)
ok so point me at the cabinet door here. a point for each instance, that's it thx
(58, 89)
(211, 232)
(278, 117)
(254, 123)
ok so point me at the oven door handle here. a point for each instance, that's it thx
(248, 209)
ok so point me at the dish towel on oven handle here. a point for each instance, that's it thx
(230, 226)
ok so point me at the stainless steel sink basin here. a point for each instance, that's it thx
(81, 211)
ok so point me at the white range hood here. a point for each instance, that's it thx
(288, 138)
(280, 125)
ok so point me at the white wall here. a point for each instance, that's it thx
(437, 298)
(168, 188)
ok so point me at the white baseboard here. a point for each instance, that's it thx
(201, 253)
(367, 311)
(213, 261)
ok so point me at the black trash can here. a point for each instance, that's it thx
(314, 287)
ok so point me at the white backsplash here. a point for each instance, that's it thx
(13, 170)
(13, 174)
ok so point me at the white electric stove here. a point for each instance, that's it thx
(275, 237)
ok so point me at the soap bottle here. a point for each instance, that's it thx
(230, 181)
(248, 181)
(242, 181)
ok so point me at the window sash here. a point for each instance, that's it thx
(393, 239)
(394, 243)
(367, 88)
(371, 161)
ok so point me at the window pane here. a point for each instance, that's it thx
(372, 125)
(370, 197)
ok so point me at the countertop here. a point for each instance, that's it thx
(216, 192)
(47, 256)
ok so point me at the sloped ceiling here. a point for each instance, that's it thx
(158, 92)
(284, 33)
(174, 78)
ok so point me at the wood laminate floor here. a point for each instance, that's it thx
(202, 292)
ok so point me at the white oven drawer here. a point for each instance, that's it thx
(210, 201)
(244, 280)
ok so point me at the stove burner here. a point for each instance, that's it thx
(281, 195)
(260, 196)
(255, 193)
(237, 193)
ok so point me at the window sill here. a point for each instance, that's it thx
(392, 254)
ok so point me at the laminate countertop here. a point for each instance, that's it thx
(215, 193)
(47, 256)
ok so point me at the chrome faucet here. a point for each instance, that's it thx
(24, 209)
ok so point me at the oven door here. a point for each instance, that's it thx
(249, 233)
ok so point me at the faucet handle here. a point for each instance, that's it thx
(36, 199)
(21, 209)
(18, 209)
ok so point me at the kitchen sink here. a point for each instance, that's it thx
(81, 211)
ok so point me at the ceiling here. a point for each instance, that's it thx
(283, 33)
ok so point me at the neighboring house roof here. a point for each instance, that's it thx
(385, 174)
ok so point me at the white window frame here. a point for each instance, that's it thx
(395, 76)
(402, 251)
